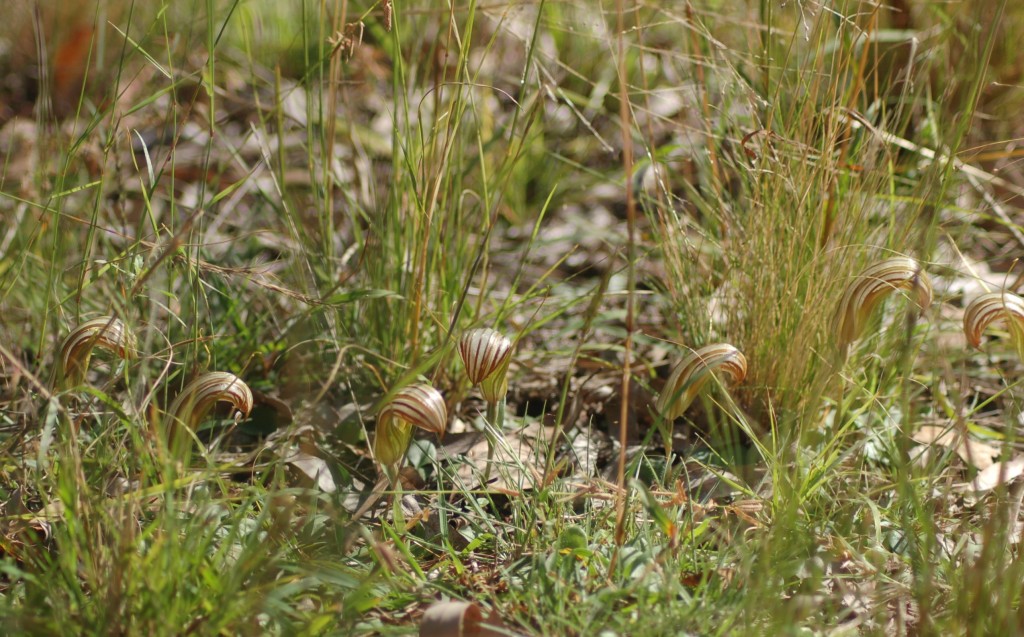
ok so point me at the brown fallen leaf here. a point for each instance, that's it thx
(519, 456)
(973, 452)
(314, 468)
(999, 473)
(70, 63)
(458, 619)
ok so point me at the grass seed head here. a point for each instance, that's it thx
(871, 287)
(694, 371)
(105, 332)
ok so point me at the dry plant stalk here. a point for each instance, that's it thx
(416, 405)
(991, 307)
(204, 392)
(694, 371)
(106, 332)
(871, 287)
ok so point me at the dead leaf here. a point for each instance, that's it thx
(519, 457)
(69, 67)
(458, 619)
(973, 452)
(999, 473)
(314, 468)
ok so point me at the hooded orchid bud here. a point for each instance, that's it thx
(106, 332)
(871, 286)
(694, 371)
(991, 307)
(416, 405)
(486, 354)
(206, 390)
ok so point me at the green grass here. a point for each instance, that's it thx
(322, 197)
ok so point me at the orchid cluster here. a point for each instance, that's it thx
(486, 354)
(196, 400)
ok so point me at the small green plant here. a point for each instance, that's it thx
(486, 354)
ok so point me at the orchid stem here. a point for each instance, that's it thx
(495, 424)
(398, 517)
